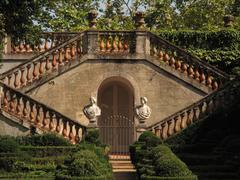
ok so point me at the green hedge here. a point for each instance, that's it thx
(224, 39)
(44, 151)
(169, 178)
(66, 177)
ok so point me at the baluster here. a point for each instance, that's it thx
(38, 117)
(71, 135)
(164, 130)
(64, 132)
(51, 123)
(183, 120)
(195, 114)
(46, 44)
(184, 68)
(154, 51)
(160, 54)
(189, 117)
(197, 75)
(172, 61)
(60, 57)
(73, 50)
(166, 57)
(32, 114)
(190, 71)
(45, 120)
(9, 79)
(66, 58)
(177, 124)
(170, 127)
(16, 82)
(209, 80)
(41, 68)
(18, 109)
(125, 43)
(120, 46)
(202, 77)
(25, 110)
(178, 65)
(77, 138)
(22, 79)
(35, 71)
(54, 61)
(47, 64)
(108, 45)
(214, 84)
(79, 50)
(102, 45)
(157, 131)
(5, 99)
(200, 107)
(114, 44)
(28, 73)
(58, 126)
(12, 102)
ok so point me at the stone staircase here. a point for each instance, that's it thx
(123, 168)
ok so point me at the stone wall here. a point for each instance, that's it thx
(70, 92)
(9, 127)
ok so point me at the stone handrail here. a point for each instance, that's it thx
(197, 111)
(47, 40)
(186, 63)
(42, 117)
(116, 41)
(49, 61)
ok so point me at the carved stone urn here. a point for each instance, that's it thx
(92, 15)
(139, 20)
(92, 111)
(143, 111)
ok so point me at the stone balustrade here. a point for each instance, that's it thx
(116, 41)
(47, 40)
(52, 60)
(197, 111)
(39, 115)
(185, 63)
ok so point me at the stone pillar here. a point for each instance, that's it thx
(142, 38)
(90, 40)
(7, 45)
(140, 129)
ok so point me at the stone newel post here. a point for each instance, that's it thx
(142, 40)
(7, 45)
(91, 38)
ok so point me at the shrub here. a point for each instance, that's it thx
(48, 139)
(149, 139)
(8, 145)
(168, 164)
(93, 137)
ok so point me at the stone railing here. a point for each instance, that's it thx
(219, 99)
(40, 116)
(47, 40)
(184, 62)
(52, 60)
(116, 41)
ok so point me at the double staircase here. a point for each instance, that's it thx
(66, 51)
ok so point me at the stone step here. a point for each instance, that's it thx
(125, 176)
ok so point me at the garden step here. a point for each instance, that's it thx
(122, 166)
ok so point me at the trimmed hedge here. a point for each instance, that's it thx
(169, 178)
(66, 177)
(153, 159)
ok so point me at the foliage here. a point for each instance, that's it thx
(84, 163)
(149, 139)
(8, 145)
(208, 40)
(47, 139)
(93, 137)
(168, 164)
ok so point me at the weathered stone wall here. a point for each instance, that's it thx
(70, 92)
(9, 127)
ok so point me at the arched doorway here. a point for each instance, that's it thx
(116, 124)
